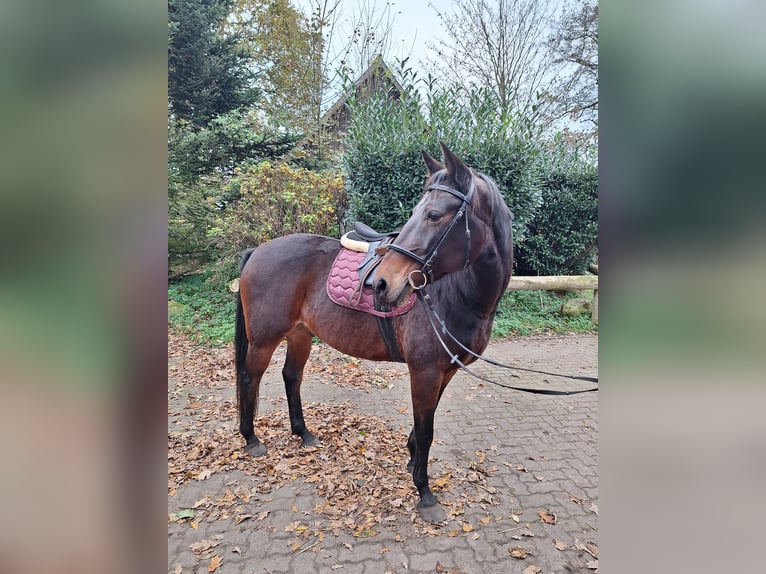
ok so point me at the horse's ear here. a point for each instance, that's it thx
(456, 168)
(432, 164)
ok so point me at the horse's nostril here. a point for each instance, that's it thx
(381, 286)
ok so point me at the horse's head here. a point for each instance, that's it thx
(446, 232)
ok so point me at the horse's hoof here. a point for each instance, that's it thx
(433, 513)
(256, 450)
(311, 440)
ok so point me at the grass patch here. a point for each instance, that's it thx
(537, 312)
(202, 307)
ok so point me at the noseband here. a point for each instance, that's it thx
(425, 272)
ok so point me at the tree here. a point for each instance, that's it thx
(213, 125)
(286, 50)
(208, 71)
(500, 46)
(368, 35)
(575, 44)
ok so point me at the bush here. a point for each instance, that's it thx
(383, 165)
(277, 200)
(562, 236)
(551, 190)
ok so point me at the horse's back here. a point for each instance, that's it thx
(299, 252)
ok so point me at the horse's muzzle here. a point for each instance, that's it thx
(388, 296)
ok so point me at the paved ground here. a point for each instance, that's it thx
(524, 470)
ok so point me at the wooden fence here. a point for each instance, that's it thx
(559, 283)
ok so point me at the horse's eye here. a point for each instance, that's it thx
(434, 216)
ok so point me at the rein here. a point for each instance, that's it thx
(433, 319)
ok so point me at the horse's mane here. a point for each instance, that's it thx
(502, 221)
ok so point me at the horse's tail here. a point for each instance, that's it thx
(240, 334)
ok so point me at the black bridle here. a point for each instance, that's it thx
(426, 271)
(437, 324)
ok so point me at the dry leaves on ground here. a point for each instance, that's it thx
(517, 552)
(359, 471)
(547, 517)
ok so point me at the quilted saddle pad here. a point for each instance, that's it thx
(343, 286)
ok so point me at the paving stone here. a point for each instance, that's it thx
(555, 438)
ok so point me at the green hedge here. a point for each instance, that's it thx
(551, 190)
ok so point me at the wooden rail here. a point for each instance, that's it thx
(559, 283)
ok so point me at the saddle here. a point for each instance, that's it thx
(364, 239)
(349, 283)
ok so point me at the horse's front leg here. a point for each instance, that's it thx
(426, 391)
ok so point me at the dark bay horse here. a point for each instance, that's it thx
(456, 247)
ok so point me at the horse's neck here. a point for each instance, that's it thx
(479, 287)
(490, 279)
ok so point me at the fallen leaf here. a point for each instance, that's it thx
(447, 570)
(336, 566)
(204, 474)
(215, 562)
(466, 527)
(441, 481)
(592, 564)
(532, 569)
(202, 545)
(593, 508)
(236, 550)
(547, 517)
(560, 544)
(588, 547)
(178, 569)
(185, 513)
(515, 518)
(517, 552)
(453, 533)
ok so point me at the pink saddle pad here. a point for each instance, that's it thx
(343, 286)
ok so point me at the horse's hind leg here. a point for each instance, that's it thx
(256, 362)
(298, 350)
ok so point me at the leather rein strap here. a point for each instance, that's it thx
(433, 319)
